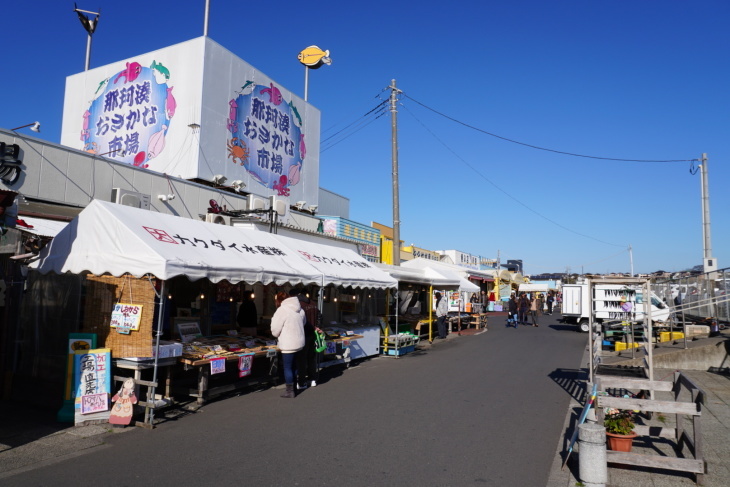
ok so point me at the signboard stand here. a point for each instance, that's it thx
(76, 341)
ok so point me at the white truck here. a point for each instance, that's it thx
(610, 302)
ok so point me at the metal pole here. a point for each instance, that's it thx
(706, 234)
(394, 139)
(207, 15)
(631, 260)
(160, 318)
(88, 53)
(306, 83)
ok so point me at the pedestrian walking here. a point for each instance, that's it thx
(550, 301)
(442, 309)
(512, 311)
(535, 308)
(287, 325)
(523, 308)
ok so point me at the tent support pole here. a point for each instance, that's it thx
(430, 314)
(150, 412)
(397, 330)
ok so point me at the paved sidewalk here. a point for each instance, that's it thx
(715, 424)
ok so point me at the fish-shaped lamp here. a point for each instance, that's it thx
(314, 57)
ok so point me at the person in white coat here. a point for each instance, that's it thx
(287, 325)
(442, 310)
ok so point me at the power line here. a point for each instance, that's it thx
(359, 124)
(500, 189)
(537, 147)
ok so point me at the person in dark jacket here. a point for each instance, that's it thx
(523, 308)
(307, 367)
(512, 311)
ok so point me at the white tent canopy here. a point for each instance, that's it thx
(107, 238)
(340, 266)
(529, 287)
(445, 270)
(421, 276)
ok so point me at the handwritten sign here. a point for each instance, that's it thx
(92, 384)
(245, 363)
(126, 317)
(94, 403)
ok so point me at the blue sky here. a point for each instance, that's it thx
(613, 79)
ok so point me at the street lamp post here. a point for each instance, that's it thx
(90, 27)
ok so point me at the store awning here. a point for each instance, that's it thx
(446, 270)
(107, 238)
(427, 277)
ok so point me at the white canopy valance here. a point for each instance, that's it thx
(107, 238)
(446, 270)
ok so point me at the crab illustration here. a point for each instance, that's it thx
(237, 150)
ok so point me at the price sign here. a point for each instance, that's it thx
(126, 317)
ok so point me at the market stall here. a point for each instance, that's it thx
(457, 298)
(410, 317)
(151, 249)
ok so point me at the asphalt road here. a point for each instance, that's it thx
(485, 409)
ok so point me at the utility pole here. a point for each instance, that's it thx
(709, 263)
(631, 260)
(396, 209)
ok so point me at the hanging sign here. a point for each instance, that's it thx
(217, 365)
(126, 317)
(245, 364)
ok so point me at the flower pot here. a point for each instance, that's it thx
(618, 442)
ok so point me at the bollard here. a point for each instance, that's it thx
(593, 470)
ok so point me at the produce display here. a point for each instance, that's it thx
(225, 346)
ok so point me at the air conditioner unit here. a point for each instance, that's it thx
(281, 206)
(131, 198)
(256, 202)
(219, 219)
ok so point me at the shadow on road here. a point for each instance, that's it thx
(572, 381)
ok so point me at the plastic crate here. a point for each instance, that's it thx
(625, 346)
(401, 350)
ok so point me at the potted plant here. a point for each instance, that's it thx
(619, 430)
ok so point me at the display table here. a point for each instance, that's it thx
(340, 350)
(203, 390)
(149, 403)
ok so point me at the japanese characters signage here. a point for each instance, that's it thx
(238, 122)
(214, 245)
(266, 136)
(130, 114)
(245, 364)
(125, 317)
(92, 376)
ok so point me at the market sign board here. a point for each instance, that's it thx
(173, 112)
(92, 385)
